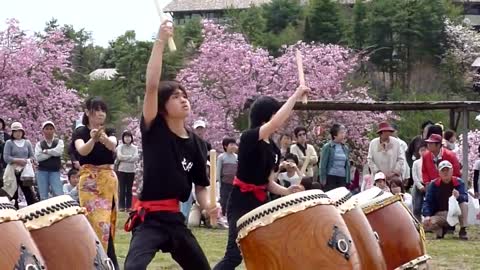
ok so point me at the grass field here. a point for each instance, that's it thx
(448, 254)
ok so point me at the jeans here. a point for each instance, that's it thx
(417, 203)
(186, 206)
(49, 181)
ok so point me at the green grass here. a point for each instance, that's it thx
(448, 254)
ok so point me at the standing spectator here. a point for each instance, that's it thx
(335, 160)
(200, 128)
(432, 158)
(476, 172)
(98, 184)
(71, 188)
(385, 153)
(406, 167)
(302, 149)
(17, 153)
(4, 136)
(413, 147)
(418, 191)
(226, 169)
(127, 155)
(284, 142)
(435, 206)
(48, 153)
(450, 140)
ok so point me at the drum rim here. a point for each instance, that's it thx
(290, 204)
(9, 212)
(370, 190)
(346, 203)
(380, 202)
(414, 262)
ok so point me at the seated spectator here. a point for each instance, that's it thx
(435, 206)
(71, 187)
(308, 183)
(396, 187)
(381, 182)
(292, 176)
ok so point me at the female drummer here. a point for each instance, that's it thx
(98, 184)
(258, 158)
(173, 159)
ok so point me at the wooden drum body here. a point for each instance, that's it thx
(64, 236)
(365, 239)
(17, 249)
(299, 231)
(402, 238)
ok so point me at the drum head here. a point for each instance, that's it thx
(343, 199)
(368, 195)
(8, 212)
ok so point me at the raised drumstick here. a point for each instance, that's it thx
(171, 42)
(213, 186)
(301, 75)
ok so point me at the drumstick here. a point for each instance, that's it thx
(301, 75)
(305, 163)
(213, 186)
(171, 42)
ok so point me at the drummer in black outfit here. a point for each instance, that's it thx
(258, 159)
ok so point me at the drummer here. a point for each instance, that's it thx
(258, 158)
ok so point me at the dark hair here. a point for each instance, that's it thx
(227, 141)
(298, 130)
(3, 124)
(125, 134)
(449, 134)
(479, 150)
(422, 144)
(292, 157)
(434, 129)
(426, 123)
(23, 134)
(397, 181)
(71, 172)
(308, 183)
(93, 104)
(165, 90)
(335, 129)
(262, 110)
(284, 135)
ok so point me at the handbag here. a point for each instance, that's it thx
(27, 176)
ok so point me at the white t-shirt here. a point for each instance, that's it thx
(294, 180)
(407, 199)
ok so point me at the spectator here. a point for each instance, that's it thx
(413, 147)
(435, 206)
(127, 155)
(396, 187)
(385, 153)
(302, 149)
(227, 163)
(48, 153)
(71, 188)
(418, 190)
(284, 142)
(292, 176)
(450, 140)
(4, 136)
(476, 170)
(335, 160)
(381, 181)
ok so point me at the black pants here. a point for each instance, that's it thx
(27, 191)
(111, 253)
(225, 190)
(125, 183)
(334, 182)
(169, 236)
(238, 205)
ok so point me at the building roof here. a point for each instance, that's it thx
(103, 74)
(201, 5)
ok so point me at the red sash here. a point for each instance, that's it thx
(260, 192)
(141, 208)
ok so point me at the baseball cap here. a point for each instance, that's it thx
(444, 164)
(379, 175)
(46, 123)
(199, 123)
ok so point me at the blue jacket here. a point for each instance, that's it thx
(326, 161)
(430, 206)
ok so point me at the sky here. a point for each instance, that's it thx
(105, 19)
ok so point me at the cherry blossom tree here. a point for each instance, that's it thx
(473, 153)
(228, 72)
(463, 43)
(31, 85)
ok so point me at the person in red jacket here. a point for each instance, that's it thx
(435, 154)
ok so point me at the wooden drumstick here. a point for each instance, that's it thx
(171, 42)
(213, 186)
(301, 74)
(305, 164)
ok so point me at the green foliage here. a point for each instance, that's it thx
(360, 25)
(113, 95)
(279, 14)
(249, 22)
(323, 22)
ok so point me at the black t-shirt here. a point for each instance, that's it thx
(171, 164)
(100, 154)
(256, 158)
